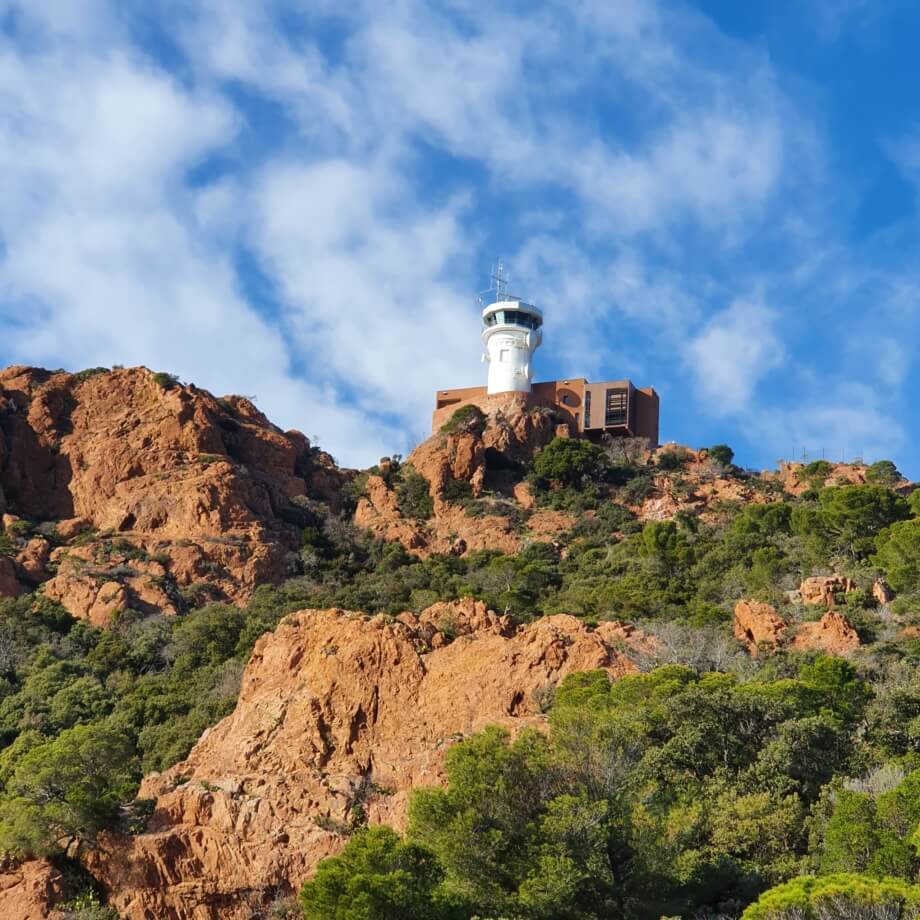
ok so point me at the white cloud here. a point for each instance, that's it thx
(732, 353)
(848, 423)
(360, 270)
(640, 149)
(102, 262)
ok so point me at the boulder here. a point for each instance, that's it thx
(825, 589)
(833, 634)
(32, 561)
(758, 625)
(882, 592)
(29, 890)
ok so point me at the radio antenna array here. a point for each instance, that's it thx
(499, 288)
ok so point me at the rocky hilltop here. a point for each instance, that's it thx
(124, 489)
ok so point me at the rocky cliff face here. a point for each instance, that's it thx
(29, 890)
(339, 716)
(167, 487)
(485, 451)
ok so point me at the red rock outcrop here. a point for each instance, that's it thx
(483, 448)
(339, 715)
(29, 890)
(758, 625)
(790, 475)
(825, 589)
(9, 583)
(32, 561)
(166, 468)
(882, 592)
(833, 634)
(698, 493)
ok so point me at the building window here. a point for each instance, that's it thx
(587, 408)
(504, 356)
(616, 407)
(513, 318)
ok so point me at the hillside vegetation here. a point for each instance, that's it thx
(723, 777)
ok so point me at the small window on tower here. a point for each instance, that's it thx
(504, 355)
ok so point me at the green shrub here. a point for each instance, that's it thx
(7, 547)
(86, 906)
(897, 551)
(847, 519)
(721, 453)
(457, 490)
(64, 792)
(837, 897)
(166, 381)
(413, 495)
(466, 418)
(672, 459)
(376, 877)
(569, 462)
(815, 473)
(883, 473)
(80, 376)
(637, 490)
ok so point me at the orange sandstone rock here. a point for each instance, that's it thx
(825, 589)
(337, 711)
(30, 889)
(833, 634)
(882, 592)
(32, 561)
(758, 624)
(168, 469)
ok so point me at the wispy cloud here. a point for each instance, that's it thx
(298, 199)
(732, 353)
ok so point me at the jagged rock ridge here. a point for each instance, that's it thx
(125, 471)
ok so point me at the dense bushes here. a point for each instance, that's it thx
(377, 877)
(666, 793)
(838, 897)
(83, 713)
(721, 454)
(898, 553)
(883, 472)
(412, 494)
(61, 793)
(846, 519)
(166, 381)
(569, 462)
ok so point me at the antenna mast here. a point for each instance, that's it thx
(500, 281)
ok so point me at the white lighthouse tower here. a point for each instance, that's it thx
(511, 334)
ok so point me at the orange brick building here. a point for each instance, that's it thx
(615, 407)
(511, 333)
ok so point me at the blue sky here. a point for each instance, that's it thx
(298, 201)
